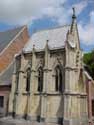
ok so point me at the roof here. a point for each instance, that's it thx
(6, 76)
(10, 39)
(55, 36)
(7, 36)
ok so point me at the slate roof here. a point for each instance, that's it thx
(56, 37)
(7, 36)
(6, 76)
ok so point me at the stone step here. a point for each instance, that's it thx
(11, 121)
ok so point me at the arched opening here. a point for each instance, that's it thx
(58, 78)
(40, 79)
(28, 79)
(17, 69)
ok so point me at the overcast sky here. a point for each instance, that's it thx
(39, 14)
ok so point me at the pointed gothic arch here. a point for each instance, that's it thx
(28, 76)
(58, 78)
(40, 79)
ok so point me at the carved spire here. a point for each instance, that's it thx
(33, 48)
(73, 16)
(46, 54)
(47, 44)
(73, 19)
(33, 58)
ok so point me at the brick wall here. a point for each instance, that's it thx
(7, 56)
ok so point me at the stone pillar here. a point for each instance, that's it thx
(89, 101)
(72, 94)
(31, 99)
(19, 94)
(11, 109)
(45, 85)
(72, 98)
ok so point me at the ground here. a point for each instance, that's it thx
(10, 121)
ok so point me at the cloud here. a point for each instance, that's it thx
(80, 6)
(25, 11)
(92, 17)
(22, 11)
(65, 13)
(87, 32)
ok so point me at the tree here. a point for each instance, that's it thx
(89, 61)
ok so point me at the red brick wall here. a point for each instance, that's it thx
(7, 56)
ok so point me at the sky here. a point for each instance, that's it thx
(43, 14)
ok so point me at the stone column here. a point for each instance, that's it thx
(89, 101)
(19, 94)
(45, 85)
(11, 109)
(31, 100)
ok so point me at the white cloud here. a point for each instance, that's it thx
(21, 11)
(80, 6)
(92, 17)
(64, 14)
(87, 32)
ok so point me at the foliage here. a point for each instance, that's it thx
(89, 61)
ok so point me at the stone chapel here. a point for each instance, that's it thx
(48, 80)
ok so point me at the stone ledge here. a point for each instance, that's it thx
(48, 121)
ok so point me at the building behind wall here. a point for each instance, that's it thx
(11, 42)
(48, 82)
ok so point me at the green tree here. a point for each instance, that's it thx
(89, 61)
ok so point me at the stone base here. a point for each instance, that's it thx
(10, 121)
(31, 118)
(75, 122)
(46, 121)
(54, 120)
(19, 116)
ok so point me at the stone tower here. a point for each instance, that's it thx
(75, 97)
(48, 82)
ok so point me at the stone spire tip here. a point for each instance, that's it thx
(33, 45)
(47, 41)
(73, 16)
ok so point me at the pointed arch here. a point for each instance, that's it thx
(58, 78)
(40, 79)
(28, 76)
(40, 64)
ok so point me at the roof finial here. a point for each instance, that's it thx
(73, 16)
(47, 41)
(33, 45)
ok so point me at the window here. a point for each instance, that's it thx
(58, 79)
(17, 80)
(28, 79)
(40, 79)
(93, 108)
(1, 101)
(18, 65)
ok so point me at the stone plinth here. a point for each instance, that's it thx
(11, 121)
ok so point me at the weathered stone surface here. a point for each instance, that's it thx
(51, 105)
(10, 121)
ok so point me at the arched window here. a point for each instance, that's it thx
(58, 79)
(40, 79)
(17, 69)
(17, 81)
(28, 79)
